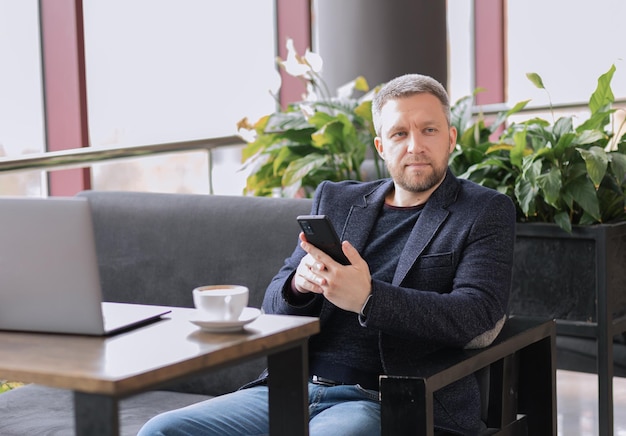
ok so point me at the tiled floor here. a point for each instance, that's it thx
(577, 404)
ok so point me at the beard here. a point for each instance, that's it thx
(417, 181)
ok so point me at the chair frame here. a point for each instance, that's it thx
(522, 383)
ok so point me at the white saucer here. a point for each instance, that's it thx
(248, 315)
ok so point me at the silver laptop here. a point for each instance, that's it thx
(49, 278)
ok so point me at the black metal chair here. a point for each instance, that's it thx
(519, 371)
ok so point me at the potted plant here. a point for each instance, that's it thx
(568, 183)
(322, 137)
(553, 171)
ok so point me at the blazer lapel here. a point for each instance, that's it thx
(424, 231)
(362, 216)
(432, 217)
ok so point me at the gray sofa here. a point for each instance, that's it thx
(154, 249)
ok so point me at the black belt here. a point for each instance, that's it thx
(322, 381)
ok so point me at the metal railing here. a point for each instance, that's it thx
(87, 156)
(494, 109)
(82, 157)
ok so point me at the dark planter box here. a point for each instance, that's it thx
(566, 276)
(579, 279)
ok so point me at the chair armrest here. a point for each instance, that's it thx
(522, 381)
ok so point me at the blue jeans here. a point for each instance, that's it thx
(336, 410)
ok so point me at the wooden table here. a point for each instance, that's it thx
(101, 371)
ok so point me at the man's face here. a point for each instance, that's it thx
(415, 142)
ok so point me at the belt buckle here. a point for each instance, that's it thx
(323, 381)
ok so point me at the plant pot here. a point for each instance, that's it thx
(579, 279)
(566, 276)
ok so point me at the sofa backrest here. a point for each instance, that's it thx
(155, 248)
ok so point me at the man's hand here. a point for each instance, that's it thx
(346, 286)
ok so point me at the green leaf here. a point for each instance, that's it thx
(618, 165)
(320, 119)
(526, 189)
(564, 142)
(283, 156)
(502, 117)
(284, 121)
(518, 107)
(589, 137)
(536, 80)
(597, 121)
(596, 161)
(300, 168)
(562, 126)
(360, 84)
(602, 97)
(584, 193)
(364, 111)
(550, 184)
(262, 181)
(525, 192)
(611, 197)
(461, 113)
(532, 167)
(262, 143)
(563, 221)
(517, 152)
(328, 137)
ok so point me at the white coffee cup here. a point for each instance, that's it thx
(220, 302)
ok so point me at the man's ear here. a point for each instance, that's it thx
(453, 135)
(378, 143)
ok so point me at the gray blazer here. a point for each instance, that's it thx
(450, 289)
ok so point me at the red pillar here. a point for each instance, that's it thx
(490, 50)
(293, 18)
(65, 94)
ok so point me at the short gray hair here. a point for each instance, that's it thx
(406, 86)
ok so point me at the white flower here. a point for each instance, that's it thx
(307, 110)
(314, 60)
(346, 90)
(311, 93)
(293, 65)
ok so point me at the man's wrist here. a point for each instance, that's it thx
(366, 307)
(296, 297)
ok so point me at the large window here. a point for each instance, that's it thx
(166, 71)
(157, 71)
(569, 44)
(460, 49)
(21, 108)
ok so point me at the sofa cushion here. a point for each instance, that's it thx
(155, 248)
(40, 410)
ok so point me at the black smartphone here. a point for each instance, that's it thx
(320, 232)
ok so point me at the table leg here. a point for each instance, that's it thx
(288, 391)
(96, 415)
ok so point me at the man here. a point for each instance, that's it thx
(431, 259)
